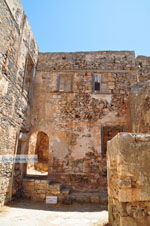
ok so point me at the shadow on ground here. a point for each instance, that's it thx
(75, 207)
(27, 212)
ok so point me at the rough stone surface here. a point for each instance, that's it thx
(140, 107)
(37, 189)
(64, 107)
(143, 68)
(16, 43)
(128, 179)
(73, 120)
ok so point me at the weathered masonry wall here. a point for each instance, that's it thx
(37, 189)
(18, 56)
(140, 97)
(75, 117)
(143, 68)
(140, 107)
(128, 179)
(65, 109)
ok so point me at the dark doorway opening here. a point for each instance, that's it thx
(107, 133)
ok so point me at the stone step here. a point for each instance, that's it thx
(87, 197)
(54, 188)
(35, 177)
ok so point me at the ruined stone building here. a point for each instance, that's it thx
(64, 107)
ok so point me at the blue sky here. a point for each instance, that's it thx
(90, 25)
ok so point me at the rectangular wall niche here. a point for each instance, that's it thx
(107, 133)
(97, 82)
(65, 82)
(101, 83)
(29, 70)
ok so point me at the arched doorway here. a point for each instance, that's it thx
(39, 145)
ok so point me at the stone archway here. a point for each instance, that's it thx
(39, 145)
(42, 150)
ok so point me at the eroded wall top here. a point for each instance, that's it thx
(16, 9)
(143, 68)
(101, 60)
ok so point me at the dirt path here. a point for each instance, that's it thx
(27, 213)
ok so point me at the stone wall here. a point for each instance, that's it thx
(100, 60)
(128, 179)
(16, 45)
(140, 107)
(37, 189)
(143, 68)
(74, 119)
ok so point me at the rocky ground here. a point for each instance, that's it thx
(29, 213)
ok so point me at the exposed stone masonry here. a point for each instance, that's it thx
(73, 119)
(107, 60)
(36, 189)
(64, 107)
(128, 179)
(140, 110)
(16, 42)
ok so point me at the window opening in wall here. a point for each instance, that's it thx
(103, 83)
(97, 82)
(65, 82)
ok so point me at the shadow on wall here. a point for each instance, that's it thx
(5, 183)
(38, 145)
